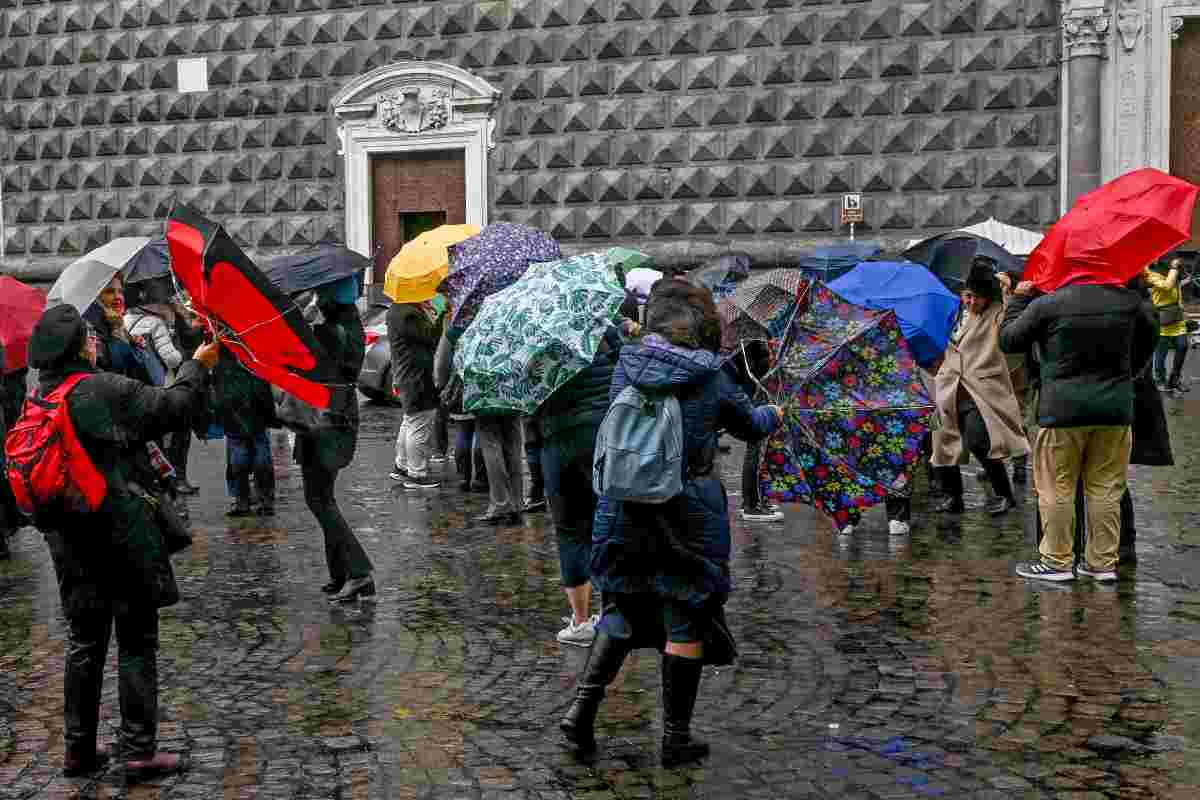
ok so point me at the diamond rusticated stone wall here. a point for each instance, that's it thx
(689, 121)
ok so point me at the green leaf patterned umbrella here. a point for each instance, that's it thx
(534, 336)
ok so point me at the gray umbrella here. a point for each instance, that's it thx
(83, 280)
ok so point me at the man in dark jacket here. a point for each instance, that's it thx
(413, 333)
(1092, 340)
(112, 565)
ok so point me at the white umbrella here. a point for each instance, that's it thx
(640, 280)
(83, 280)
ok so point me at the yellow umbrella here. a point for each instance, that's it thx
(414, 273)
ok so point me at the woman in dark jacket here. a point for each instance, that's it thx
(112, 565)
(664, 569)
(568, 422)
(413, 333)
(321, 455)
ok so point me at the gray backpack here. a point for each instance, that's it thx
(639, 448)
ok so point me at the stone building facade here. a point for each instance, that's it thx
(684, 127)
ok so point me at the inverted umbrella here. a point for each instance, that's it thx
(316, 266)
(950, 256)
(489, 262)
(21, 307)
(249, 314)
(761, 307)
(855, 410)
(85, 277)
(152, 261)
(926, 309)
(531, 338)
(414, 273)
(827, 263)
(1112, 233)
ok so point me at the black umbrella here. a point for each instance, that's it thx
(317, 266)
(152, 261)
(950, 256)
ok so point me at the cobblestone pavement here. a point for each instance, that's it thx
(872, 666)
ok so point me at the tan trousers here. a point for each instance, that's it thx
(1100, 454)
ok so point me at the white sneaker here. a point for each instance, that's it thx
(898, 528)
(580, 635)
(847, 531)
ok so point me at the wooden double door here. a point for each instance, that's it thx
(412, 193)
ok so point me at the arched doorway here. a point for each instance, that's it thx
(415, 138)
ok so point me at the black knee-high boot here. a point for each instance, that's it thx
(604, 662)
(681, 684)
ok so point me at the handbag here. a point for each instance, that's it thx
(174, 530)
(297, 415)
(1170, 315)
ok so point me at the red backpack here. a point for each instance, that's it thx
(46, 465)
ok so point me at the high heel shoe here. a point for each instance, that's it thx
(334, 586)
(355, 588)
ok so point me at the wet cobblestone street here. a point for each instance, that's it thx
(872, 666)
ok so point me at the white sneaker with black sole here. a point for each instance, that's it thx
(1102, 575)
(580, 635)
(1040, 572)
(398, 473)
(898, 527)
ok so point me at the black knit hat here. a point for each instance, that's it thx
(57, 337)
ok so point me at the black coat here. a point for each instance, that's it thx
(341, 338)
(115, 558)
(413, 339)
(244, 406)
(1091, 341)
(1151, 435)
(583, 400)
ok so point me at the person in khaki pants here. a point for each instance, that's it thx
(1092, 340)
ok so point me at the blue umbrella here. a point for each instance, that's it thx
(926, 309)
(151, 262)
(827, 263)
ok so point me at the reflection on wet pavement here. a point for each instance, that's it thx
(872, 666)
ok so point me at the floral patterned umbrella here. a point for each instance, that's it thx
(489, 262)
(855, 410)
(537, 334)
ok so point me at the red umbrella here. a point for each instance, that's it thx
(1112, 233)
(21, 307)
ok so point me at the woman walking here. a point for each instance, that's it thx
(975, 400)
(664, 568)
(321, 455)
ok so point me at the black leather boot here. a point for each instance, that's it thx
(604, 662)
(680, 683)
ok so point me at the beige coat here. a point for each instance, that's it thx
(976, 364)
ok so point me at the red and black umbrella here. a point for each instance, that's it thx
(252, 317)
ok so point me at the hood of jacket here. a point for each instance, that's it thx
(657, 365)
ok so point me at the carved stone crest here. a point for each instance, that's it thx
(413, 110)
(1084, 32)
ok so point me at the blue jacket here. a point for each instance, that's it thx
(679, 549)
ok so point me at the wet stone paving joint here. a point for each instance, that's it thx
(871, 666)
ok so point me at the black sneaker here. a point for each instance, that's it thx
(950, 505)
(535, 504)
(399, 475)
(424, 482)
(241, 508)
(1000, 506)
(1041, 572)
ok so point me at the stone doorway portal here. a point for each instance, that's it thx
(1185, 110)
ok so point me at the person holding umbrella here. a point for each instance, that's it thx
(1166, 290)
(975, 399)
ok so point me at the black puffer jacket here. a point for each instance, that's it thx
(583, 400)
(413, 338)
(341, 338)
(1092, 340)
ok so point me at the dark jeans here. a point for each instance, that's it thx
(246, 457)
(750, 491)
(467, 453)
(650, 620)
(567, 472)
(343, 552)
(441, 432)
(898, 508)
(179, 444)
(978, 442)
(137, 680)
(533, 454)
(1169, 344)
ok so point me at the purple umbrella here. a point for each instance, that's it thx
(485, 264)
